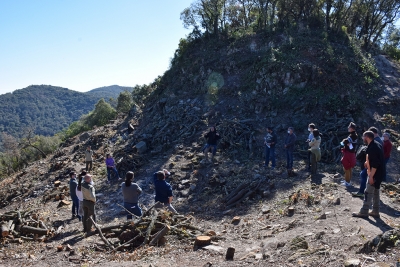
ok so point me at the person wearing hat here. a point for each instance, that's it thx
(163, 190)
(387, 149)
(348, 160)
(290, 142)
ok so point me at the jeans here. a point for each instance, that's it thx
(363, 180)
(385, 177)
(132, 208)
(208, 147)
(88, 210)
(270, 154)
(109, 173)
(75, 205)
(289, 159)
(80, 210)
(371, 196)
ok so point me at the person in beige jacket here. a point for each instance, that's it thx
(314, 145)
(89, 159)
(89, 201)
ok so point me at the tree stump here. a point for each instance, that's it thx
(57, 183)
(230, 253)
(202, 241)
(290, 211)
(5, 231)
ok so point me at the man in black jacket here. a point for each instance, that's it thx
(375, 165)
(270, 142)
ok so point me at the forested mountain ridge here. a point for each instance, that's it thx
(49, 109)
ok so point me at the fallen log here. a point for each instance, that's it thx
(150, 228)
(234, 192)
(108, 244)
(34, 230)
(159, 235)
(237, 196)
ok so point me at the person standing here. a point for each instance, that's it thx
(270, 141)
(348, 160)
(311, 128)
(163, 191)
(89, 201)
(375, 165)
(131, 192)
(315, 150)
(361, 157)
(212, 138)
(377, 138)
(78, 192)
(110, 163)
(89, 159)
(387, 150)
(73, 183)
(290, 141)
(353, 137)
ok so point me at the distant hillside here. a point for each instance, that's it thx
(109, 91)
(48, 108)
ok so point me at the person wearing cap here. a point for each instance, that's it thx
(73, 183)
(270, 142)
(353, 137)
(212, 138)
(387, 150)
(89, 201)
(89, 159)
(163, 190)
(348, 161)
(377, 138)
(290, 142)
(375, 165)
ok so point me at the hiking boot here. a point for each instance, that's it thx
(358, 194)
(359, 215)
(374, 214)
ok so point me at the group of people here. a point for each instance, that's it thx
(372, 156)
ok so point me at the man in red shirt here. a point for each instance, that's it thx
(387, 149)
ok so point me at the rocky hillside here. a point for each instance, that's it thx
(48, 108)
(268, 218)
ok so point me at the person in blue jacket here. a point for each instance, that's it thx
(163, 190)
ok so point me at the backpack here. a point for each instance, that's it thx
(361, 154)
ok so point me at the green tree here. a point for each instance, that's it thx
(124, 102)
(101, 115)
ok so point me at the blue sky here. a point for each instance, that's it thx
(85, 44)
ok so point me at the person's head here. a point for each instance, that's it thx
(212, 128)
(88, 178)
(290, 130)
(88, 148)
(315, 133)
(311, 127)
(351, 127)
(374, 130)
(72, 174)
(269, 129)
(129, 178)
(386, 136)
(160, 175)
(108, 155)
(368, 137)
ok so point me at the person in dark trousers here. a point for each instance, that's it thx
(375, 165)
(315, 150)
(290, 141)
(131, 192)
(78, 192)
(353, 137)
(270, 141)
(361, 157)
(73, 184)
(311, 128)
(163, 191)
(212, 138)
(377, 138)
(89, 201)
(387, 150)
(110, 163)
(89, 159)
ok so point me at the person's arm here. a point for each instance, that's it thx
(312, 142)
(292, 141)
(371, 175)
(139, 190)
(170, 195)
(170, 199)
(92, 193)
(274, 139)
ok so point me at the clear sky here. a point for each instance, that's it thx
(85, 44)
